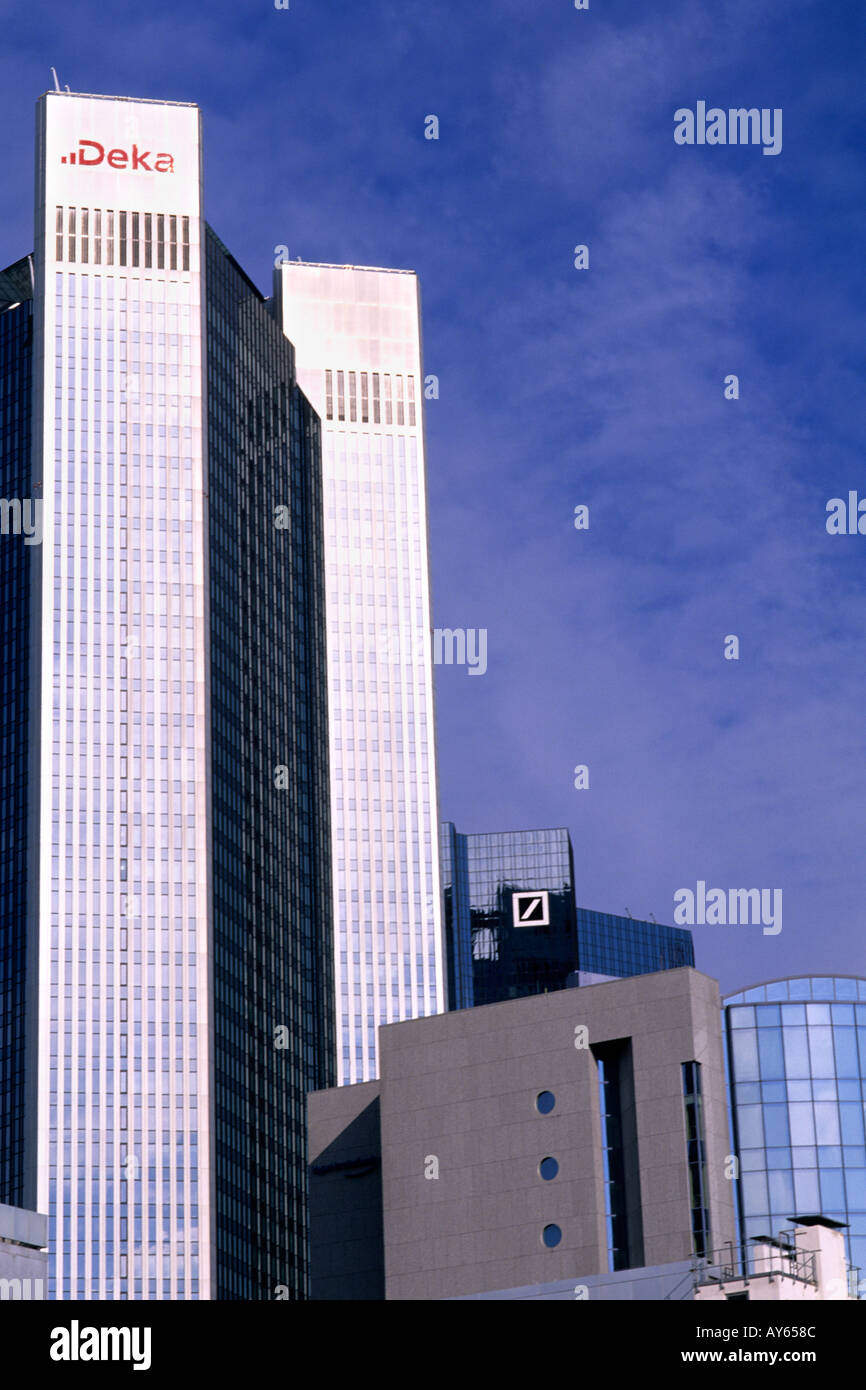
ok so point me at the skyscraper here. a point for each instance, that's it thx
(512, 926)
(16, 618)
(165, 793)
(509, 913)
(358, 340)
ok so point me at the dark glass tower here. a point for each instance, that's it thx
(16, 338)
(509, 914)
(272, 1007)
(513, 928)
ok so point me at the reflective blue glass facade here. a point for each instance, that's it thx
(16, 334)
(272, 951)
(621, 946)
(797, 1063)
(454, 863)
(481, 874)
(493, 955)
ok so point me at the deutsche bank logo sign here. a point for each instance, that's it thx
(530, 909)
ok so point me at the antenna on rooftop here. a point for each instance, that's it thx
(56, 81)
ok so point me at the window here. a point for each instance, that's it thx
(696, 1157)
(551, 1236)
(544, 1102)
(620, 1157)
(548, 1169)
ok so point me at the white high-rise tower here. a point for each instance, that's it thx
(357, 336)
(165, 932)
(123, 867)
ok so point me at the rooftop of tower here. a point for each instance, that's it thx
(104, 96)
(328, 265)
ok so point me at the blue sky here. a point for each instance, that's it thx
(602, 387)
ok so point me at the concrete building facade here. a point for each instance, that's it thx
(554, 1137)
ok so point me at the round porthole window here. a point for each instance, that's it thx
(551, 1235)
(544, 1102)
(548, 1168)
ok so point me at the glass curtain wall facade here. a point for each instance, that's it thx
(613, 947)
(797, 1062)
(509, 906)
(123, 1162)
(16, 744)
(457, 916)
(357, 336)
(272, 949)
(176, 827)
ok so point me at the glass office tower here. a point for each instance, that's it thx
(509, 913)
(174, 773)
(16, 743)
(272, 957)
(797, 1061)
(357, 334)
(513, 927)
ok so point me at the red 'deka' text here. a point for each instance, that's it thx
(90, 153)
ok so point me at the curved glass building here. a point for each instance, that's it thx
(797, 1060)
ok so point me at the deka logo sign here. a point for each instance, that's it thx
(90, 153)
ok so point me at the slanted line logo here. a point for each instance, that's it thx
(530, 909)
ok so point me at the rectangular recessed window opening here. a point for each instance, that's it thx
(623, 1215)
(696, 1155)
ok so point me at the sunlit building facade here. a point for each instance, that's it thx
(167, 812)
(357, 335)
